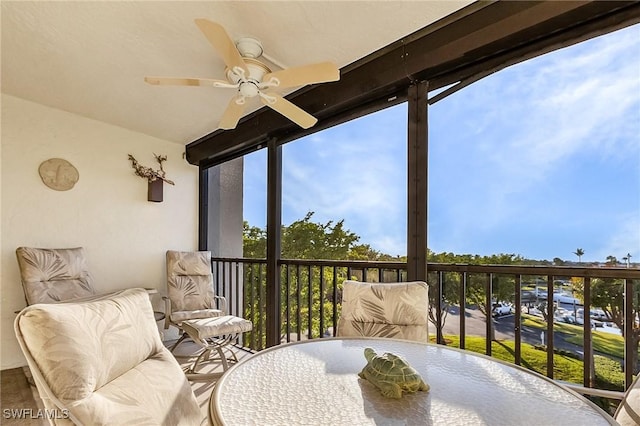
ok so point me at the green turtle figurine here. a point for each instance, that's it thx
(391, 374)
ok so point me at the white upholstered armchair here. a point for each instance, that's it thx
(394, 310)
(190, 290)
(101, 361)
(194, 308)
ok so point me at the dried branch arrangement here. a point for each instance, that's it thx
(148, 172)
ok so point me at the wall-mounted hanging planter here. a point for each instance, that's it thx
(155, 177)
(155, 191)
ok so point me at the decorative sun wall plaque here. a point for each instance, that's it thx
(58, 174)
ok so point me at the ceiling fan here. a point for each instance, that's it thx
(252, 78)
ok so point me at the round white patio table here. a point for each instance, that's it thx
(316, 382)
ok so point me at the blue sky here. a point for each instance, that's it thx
(539, 159)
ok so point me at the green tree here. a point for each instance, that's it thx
(579, 252)
(304, 239)
(309, 291)
(612, 260)
(608, 294)
(254, 241)
(366, 252)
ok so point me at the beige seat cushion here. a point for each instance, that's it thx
(179, 316)
(103, 361)
(212, 327)
(394, 310)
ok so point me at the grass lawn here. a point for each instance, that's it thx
(605, 343)
(565, 368)
(609, 374)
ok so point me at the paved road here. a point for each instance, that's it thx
(475, 325)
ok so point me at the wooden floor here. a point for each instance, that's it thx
(22, 401)
(19, 397)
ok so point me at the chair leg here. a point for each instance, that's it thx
(219, 345)
(204, 355)
(233, 357)
(180, 340)
(223, 359)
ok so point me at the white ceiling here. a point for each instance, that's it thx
(90, 58)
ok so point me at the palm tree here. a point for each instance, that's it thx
(627, 259)
(579, 252)
(612, 260)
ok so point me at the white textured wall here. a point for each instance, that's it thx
(225, 201)
(107, 212)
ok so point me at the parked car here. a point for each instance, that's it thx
(566, 298)
(540, 293)
(501, 308)
(596, 313)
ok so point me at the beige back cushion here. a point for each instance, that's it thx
(103, 360)
(109, 336)
(189, 280)
(628, 413)
(395, 310)
(53, 275)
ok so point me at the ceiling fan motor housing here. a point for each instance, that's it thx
(249, 85)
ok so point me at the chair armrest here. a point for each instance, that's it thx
(223, 303)
(167, 312)
(592, 391)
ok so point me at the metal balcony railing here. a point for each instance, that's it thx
(311, 293)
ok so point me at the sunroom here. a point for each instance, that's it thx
(73, 88)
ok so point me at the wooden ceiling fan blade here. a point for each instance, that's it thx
(232, 114)
(222, 43)
(171, 81)
(308, 74)
(289, 110)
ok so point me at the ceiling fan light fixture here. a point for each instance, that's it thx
(249, 89)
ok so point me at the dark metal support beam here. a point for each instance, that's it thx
(417, 142)
(203, 208)
(628, 325)
(274, 225)
(549, 331)
(589, 374)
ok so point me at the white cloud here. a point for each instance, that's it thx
(352, 173)
(511, 132)
(624, 238)
(498, 150)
